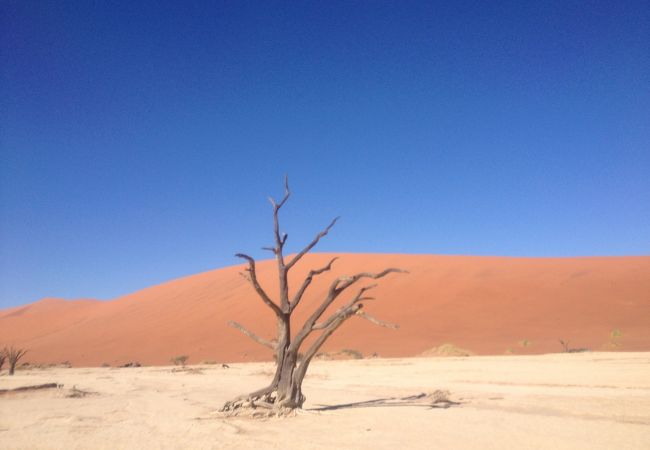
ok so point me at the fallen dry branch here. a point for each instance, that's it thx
(189, 370)
(36, 387)
(437, 399)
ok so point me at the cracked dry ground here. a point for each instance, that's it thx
(589, 400)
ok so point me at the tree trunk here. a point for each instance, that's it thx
(289, 393)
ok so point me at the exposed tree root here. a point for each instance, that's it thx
(259, 404)
(437, 399)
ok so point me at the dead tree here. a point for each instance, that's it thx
(284, 393)
(13, 356)
(3, 358)
(565, 346)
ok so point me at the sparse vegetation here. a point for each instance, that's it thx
(180, 360)
(567, 349)
(284, 393)
(131, 364)
(440, 396)
(354, 354)
(14, 355)
(525, 343)
(615, 338)
(346, 353)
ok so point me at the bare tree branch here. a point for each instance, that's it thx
(381, 323)
(343, 310)
(309, 354)
(336, 288)
(252, 278)
(13, 356)
(311, 244)
(348, 281)
(287, 193)
(280, 240)
(308, 280)
(260, 340)
(345, 314)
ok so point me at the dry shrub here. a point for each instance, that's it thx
(446, 350)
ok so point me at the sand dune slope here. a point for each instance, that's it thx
(486, 305)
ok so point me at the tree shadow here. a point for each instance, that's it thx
(435, 400)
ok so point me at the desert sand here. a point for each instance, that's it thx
(558, 401)
(486, 305)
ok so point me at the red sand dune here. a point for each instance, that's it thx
(486, 305)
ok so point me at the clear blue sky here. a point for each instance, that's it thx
(139, 140)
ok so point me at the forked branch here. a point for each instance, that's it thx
(343, 311)
(13, 356)
(344, 315)
(354, 308)
(339, 285)
(287, 193)
(280, 240)
(308, 280)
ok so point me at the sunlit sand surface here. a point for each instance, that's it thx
(572, 401)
